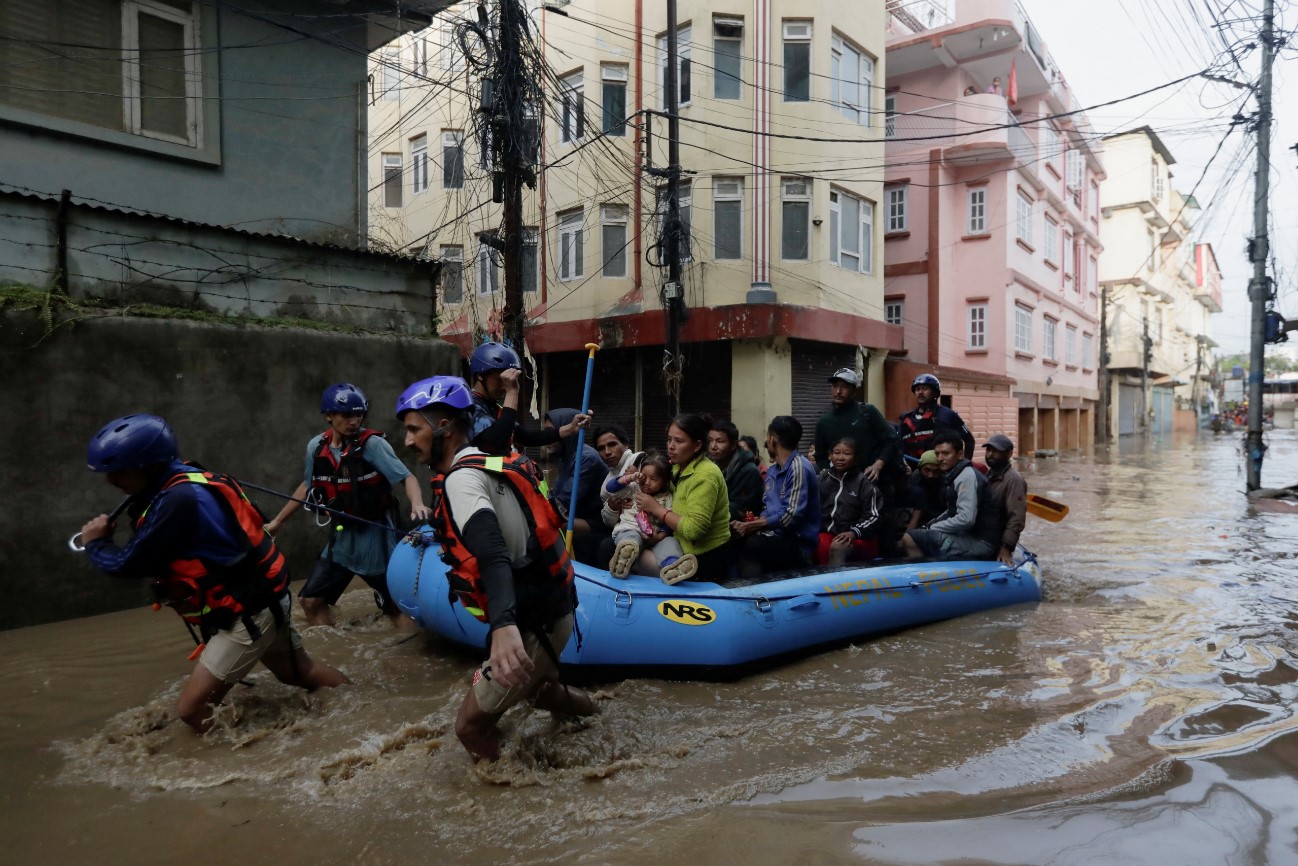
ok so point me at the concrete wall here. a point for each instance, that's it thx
(242, 400)
(127, 258)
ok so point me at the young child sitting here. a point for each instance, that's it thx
(635, 531)
(849, 509)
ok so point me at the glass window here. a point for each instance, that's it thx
(390, 62)
(1070, 345)
(978, 211)
(571, 246)
(727, 52)
(419, 163)
(529, 260)
(851, 75)
(1068, 256)
(851, 229)
(727, 218)
(392, 180)
(660, 214)
(453, 160)
(452, 57)
(683, 52)
(572, 111)
(1022, 329)
(795, 217)
(1088, 346)
(613, 80)
(797, 61)
(1048, 340)
(896, 198)
(1050, 241)
(977, 326)
(1024, 222)
(889, 116)
(452, 275)
(488, 270)
(613, 221)
(894, 312)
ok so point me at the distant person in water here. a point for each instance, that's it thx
(203, 544)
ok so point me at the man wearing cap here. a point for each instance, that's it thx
(849, 418)
(1007, 493)
(925, 493)
(921, 425)
(969, 528)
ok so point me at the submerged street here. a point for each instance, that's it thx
(1144, 712)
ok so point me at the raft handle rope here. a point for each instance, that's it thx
(74, 543)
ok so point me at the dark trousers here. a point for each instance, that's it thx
(768, 552)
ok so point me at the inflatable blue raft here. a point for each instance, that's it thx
(700, 630)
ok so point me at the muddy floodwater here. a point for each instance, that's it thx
(1143, 713)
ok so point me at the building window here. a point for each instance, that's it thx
(1070, 345)
(795, 216)
(889, 116)
(894, 312)
(851, 76)
(1156, 178)
(572, 110)
(1151, 263)
(1088, 346)
(851, 232)
(453, 160)
(896, 197)
(1080, 263)
(613, 98)
(978, 211)
(613, 220)
(419, 53)
(488, 270)
(797, 61)
(977, 326)
(571, 246)
(1023, 225)
(727, 218)
(683, 53)
(419, 163)
(1095, 201)
(392, 180)
(1050, 242)
(530, 260)
(132, 66)
(1048, 339)
(452, 275)
(1075, 172)
(727, 42)
(390, 61)
(1022, 329)
(1068, 257)
(1050, 145)
(1094, 275)
(686, 210)
(452, 57)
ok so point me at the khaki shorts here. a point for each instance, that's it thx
(231, 652)
(494, 698)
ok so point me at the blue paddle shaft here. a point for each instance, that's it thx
(581, 442)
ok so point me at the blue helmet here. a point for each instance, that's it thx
(449, 391)
(926, 379)
(344, 397)
(493, 356)
(131, 442)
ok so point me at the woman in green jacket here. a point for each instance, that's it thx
(700, 512)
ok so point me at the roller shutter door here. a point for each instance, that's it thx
(813, 364)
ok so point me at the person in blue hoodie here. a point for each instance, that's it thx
(588, 527)
(784, 537)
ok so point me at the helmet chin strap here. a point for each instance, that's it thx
(438, 450)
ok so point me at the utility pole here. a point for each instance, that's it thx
(1146, 355)
(510, 132)
(1259, 288)
(673, 289)
(1104, 423)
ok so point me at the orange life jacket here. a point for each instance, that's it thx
(349, 482)
(551, 567)
(215, 596)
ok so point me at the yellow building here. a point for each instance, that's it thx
(782, 123)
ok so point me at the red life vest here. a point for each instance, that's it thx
(215, 596)
(349, 482)
(551, 568)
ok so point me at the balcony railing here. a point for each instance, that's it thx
(916, 16)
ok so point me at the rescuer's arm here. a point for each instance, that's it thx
(170, 524)
(289, 509)
(482, 538)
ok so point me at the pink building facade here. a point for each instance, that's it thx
(991, 226)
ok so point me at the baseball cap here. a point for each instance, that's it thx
(848, 375)
(928, 458)
(1000, 442)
